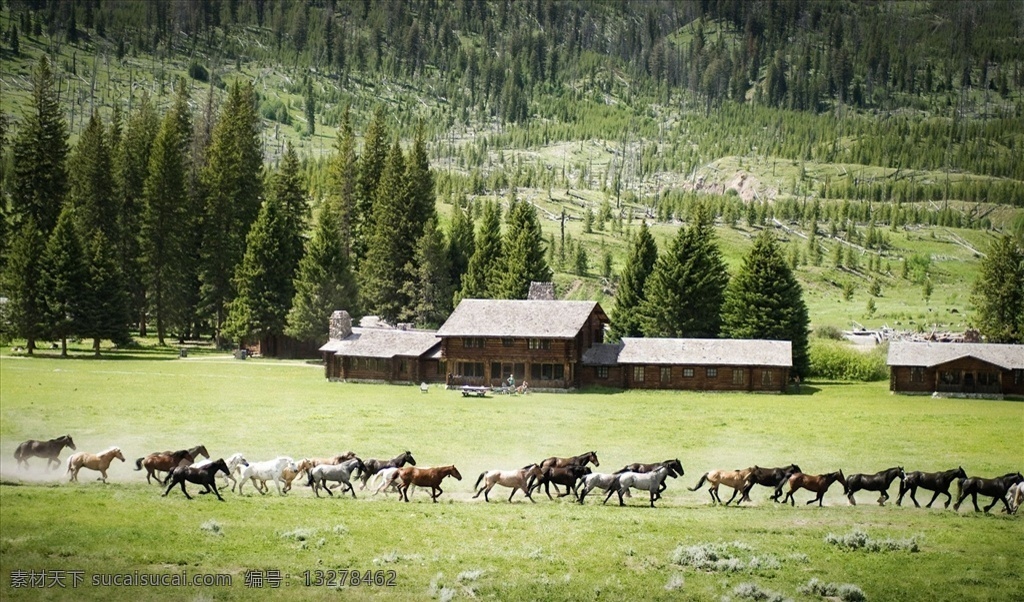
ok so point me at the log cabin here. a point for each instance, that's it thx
(956, 369)
(380, 354)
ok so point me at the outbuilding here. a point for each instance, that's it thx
(956, 369)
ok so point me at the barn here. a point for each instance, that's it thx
(956, 369)
(380, 354)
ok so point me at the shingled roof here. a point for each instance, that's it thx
(692, 352)
(385, 343)
(519, 318)
(928, 354)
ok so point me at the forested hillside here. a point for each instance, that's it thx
(237, 168)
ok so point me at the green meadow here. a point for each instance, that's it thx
(462, 548)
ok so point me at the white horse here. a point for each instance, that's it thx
(270, 470)
(648, 481)
(233, 463)
(1015, 497)
(604, 481)
(388, 479)
(516, 479)
(319, 475)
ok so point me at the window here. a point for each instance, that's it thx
(403, 366)
(1018, 377)
(540, 344)
(638, 374)
(687, 372)
(547, 371)
(666, 374)
(602, 372)
(471, 369)
(507, 342)
(472, 342)
(988, 378)
(917, 374)
(766, 377)
(739, 376)
(712, 372)
(949, 377)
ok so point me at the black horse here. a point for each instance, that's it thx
(938, 482)
(204, 475)
(879, 481)
(995, 488)
(675, 469)
(43, 449)
(373, 465)
(568, 476)
(768, 477)
(560, 462)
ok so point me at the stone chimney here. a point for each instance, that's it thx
(341, 325)
(541, 291)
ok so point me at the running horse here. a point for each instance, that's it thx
(818, 484)
(648, 481)
(557, 462)
(205, 475)
(996, 488)
(373, 465)
(674, 466)
(568, 476)
(879, 481)
(168, 461)
(43, 449)
(100, 462)
(938, 482)
(737, 479)
(426, 477)
(516, 479)
(768, 477)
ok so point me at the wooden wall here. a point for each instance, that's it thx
(969, 378)
(753, 378)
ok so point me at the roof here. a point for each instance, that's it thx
(385, 343)
(692, 352)
(929, 354)
(519, 318)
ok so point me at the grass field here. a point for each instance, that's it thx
(463, 548)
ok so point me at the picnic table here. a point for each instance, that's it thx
(471, 391)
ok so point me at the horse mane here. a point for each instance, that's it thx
(109, 449)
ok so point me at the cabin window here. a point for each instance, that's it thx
(988, 378)
(547, 371)
(540, 343)
(712, 372)
(949, 377)
(507, 342)
(471, 369)
(403, 366)
(666, 374)
(472, 342)
(766, 377)
(739, 376)
(1018, 377)
(917, 374)
(688, 372)
(638, 374)
(602, 372)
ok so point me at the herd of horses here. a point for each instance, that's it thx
(574, 473)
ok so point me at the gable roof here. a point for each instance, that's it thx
(929, 355)
(385, 343)
(517, 318)
(694, 352)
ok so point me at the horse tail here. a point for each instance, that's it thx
(703, 478)
(480, 478)
(19, 452)
(138, 464)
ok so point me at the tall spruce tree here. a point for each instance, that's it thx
(384, 268)
(343, 171)
(765, 301)
(998, 292)
(683, 295)
(289, 190)
(91, 190)
(484, 270)
(524, 253)
(460, 244)
(63, 276)
(106, 314)
(629, 296)
(372, 162)
(430, 288)
(26, 306)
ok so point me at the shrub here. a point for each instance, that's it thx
(828, 332)
(753, 591)
(859, 540)
(198, 72)
(839, 361)
(847, 592)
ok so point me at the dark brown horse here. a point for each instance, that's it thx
(425, 477)
(817, 483)
(938, 482)
(567, 476)
(373, 465)
(168, 461)
(559, 462)
(879, 481)
(43, 449)
(996, 488)
(768, 477)
(204, 475)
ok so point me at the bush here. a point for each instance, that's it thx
(847, 592)
(198, 72)
(834, 360)
(828, 332)
(859, 540)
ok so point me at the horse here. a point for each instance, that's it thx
(648, 481)
(100, 462)
(675, 469)
(168, 460)
(768, 477)
(567, 476)
(996, 488)
(319, 475)
(233, 463)
(817, 483)
(43, 449)
(306, 463)
(270, 470)
(600, 480)
(516, 479)
(426, 477)
(373, 465)
(1015, 497)
(736, 479)
(558, 462)
(879, 481)
(388, 479)
(205, 475)
(938, 482)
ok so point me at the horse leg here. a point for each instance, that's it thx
(734, 492)
(182, 483)
(168, 490)
(351, 489)
(438, 494)
(103, 471)
(934, 497)
(215, 492)
(995, 500)
(713, 490)
(883, 497)
(849, 496)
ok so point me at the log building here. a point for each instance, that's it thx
(956, 369)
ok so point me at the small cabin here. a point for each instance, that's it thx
(381, 354)
(956, 369)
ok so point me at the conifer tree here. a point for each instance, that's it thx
(629, 296)
(384, 268)
(63, 275)
(765, 301)
(460, 244)
(998, 292)
(343, 171)
(371, 167)
(105, 313)
(25, 306)
(524, 253)
(430, 289)
(419, 180)
(290, 192)
(484, 270)
(91, 190)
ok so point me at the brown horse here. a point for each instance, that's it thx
(559, 462)
(100, 462)
(425, 477)
(43, 449)
(168, 461)
(817, 483)
(737, 479)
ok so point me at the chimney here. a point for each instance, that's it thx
(341, 325)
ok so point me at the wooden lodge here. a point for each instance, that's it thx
(690, 364)
(956, 369)
(380, 354)
(539, 341)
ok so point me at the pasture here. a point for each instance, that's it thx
(462, 548)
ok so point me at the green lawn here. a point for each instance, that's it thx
(463, 548)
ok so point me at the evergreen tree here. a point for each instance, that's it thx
(384, 268)
(998, 292)
(371, 168)
(625, 318)
(765, 301)
(460, 244)
(342, 172)
(25, 306)
(683, 295)
(419, 180)
(310, 108)
(63, 274)
(430, 288)
(106, 301)
(524, 257)
(484, 270)
(290, 192)
(91, 190)
(323, 282)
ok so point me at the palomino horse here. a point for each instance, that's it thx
(580, 460)
(879, 481)
(938, 482)
(600, 480)
(373, 465)
(817, 483)
(996, 488)
(426, 477)
(736, 479)
(43, 449)
(567, 476)
(100, 462)
(319, 475)
(516, 479)
(768, 477)
(205, 475)
(168, 461)
(270, 470)
(233, 463)
(648, 481)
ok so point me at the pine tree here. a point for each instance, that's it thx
(430, 288)
(342, 172)
(524, 253)
(371, 168)
(290, 192)
(684, 293)
(460, 244)
(765, 301)
(484, 268)
(91, 190)
(25, 306)
(625, 319)
(998, 292)
(63, 275)
(106, 300)
(384, 268)
(310, 108)
(419, 181)
(323, 282)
